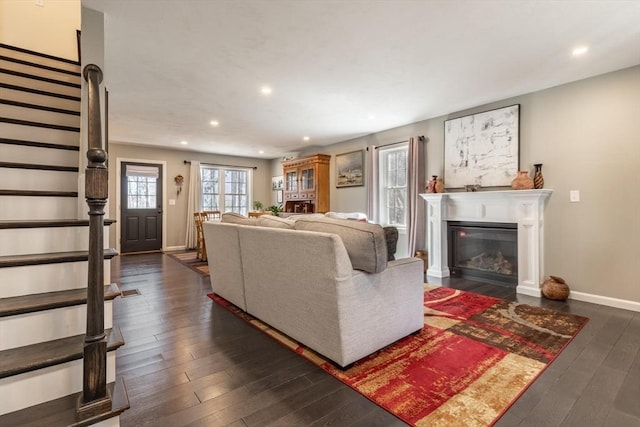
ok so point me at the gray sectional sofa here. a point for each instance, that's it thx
(324, 282)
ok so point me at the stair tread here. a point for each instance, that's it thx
(36, 193)
(62, 411)
(39, 78)
(39, 92)
(41, 66)
(50, 258)
(15, 165)
(38, 107)
(39, 124)
(40, 54)
(39, 144)
(48, 223)
(51, 300)
(15, 361)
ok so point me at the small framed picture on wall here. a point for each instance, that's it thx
(350, 169)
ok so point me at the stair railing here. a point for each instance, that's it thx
(95, 398)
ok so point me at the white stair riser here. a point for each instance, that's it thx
(36, 279)
(27, 154)
(39, 60)
(22, 241)
(39, 85)
(36, 179)
(36, 207)
(32, 328)
(40, 116)
(45, 100)
(37, 71)
(32, 133)
(31, 388)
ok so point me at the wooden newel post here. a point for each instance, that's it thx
(94, 398)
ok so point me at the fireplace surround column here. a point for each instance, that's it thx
(523, 207)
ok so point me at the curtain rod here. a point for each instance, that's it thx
(420, 138)
(188, 162)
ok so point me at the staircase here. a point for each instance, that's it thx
(44, 253)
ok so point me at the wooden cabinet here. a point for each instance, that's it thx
(306, 184)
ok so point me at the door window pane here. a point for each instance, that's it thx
(141, 192)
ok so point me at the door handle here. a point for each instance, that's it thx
(159, 211)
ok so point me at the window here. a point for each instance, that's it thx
(141, 186)
(141, 192)
(226, 189)
(392, 167)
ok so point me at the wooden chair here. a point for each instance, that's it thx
(201, 249)
(211, 215)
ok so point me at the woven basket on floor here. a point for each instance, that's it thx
(555, 288)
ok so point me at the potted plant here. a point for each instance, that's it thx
(275, 209)
(257, 205)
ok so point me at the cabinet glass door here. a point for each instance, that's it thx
(291, 182)
(307, 179)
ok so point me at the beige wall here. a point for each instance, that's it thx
(176, 215)
(587, 135)
(50, 28)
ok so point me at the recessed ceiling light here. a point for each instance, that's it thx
(214, 123)
(371, 117)
(183, 142)
(305, 138)
(266, 90)
(261, 151)
(580, 50)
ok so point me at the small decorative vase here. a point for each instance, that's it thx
(555, 288)
(431, 184)
(538, 179)
(439, 185)
(522, 181)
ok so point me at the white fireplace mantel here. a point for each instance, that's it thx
(523, 207)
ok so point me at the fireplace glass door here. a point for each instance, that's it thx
(486, 252)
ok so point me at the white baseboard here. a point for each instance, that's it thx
(527, 290)
(608, 301)
(174, 248)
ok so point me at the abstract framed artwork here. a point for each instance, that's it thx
(482, 149)
(350, 169)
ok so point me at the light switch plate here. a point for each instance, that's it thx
(172, 202)
(574, 196)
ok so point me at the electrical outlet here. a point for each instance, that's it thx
(574, 196)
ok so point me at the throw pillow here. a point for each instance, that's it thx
(391, 235)
(274, 222)
(365, 243)
(235, 218)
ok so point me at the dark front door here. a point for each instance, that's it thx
(141, 207)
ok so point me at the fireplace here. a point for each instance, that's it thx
(524, 208)
(484, 251)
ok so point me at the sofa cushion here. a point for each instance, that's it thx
(236, 218)
(391, 236)
(365, 243)
(274, 222)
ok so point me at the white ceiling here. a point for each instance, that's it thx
(173, 66)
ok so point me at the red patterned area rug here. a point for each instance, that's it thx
(190, 260)
(474, 357)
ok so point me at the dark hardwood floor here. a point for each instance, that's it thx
(188, 361)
